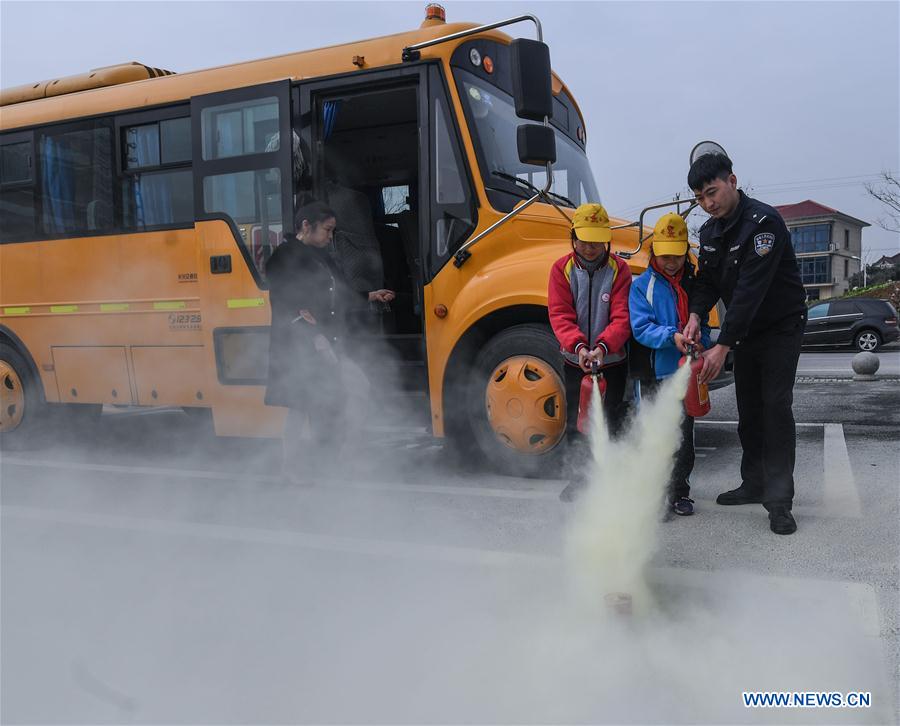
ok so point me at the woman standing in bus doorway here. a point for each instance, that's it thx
(308, 372)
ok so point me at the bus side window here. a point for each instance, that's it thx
(453, 211)
(16, 189)
(157, 185)
(76, 179)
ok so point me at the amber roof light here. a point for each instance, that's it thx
(435, 12)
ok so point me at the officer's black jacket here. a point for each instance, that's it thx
(748, 261)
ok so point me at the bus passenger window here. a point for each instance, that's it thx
(76, 183)
(157, 184)
(16, 191)
(175, 140)
(15, 163)
(157, 199)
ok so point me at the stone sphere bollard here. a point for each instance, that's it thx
(865, 366)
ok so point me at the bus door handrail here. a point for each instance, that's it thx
(411, 52)
(640, 223)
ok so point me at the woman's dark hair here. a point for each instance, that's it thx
(707, 168)
(314, 212)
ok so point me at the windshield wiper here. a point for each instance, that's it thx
(527, 184)
(515, 193)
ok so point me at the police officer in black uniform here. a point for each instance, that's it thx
(747, 260)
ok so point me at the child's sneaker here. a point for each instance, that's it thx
(683, 506)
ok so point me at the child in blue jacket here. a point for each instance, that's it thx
(658, 304)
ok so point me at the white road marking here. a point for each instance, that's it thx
(536, 489)
(735, 423)
(841, 493)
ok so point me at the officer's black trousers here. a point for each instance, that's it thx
(764, 370)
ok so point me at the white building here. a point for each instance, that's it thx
(828, 245)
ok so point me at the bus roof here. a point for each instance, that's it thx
(136, 94)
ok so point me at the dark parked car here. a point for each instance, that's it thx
(863, 322)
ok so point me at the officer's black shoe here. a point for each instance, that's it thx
(573, 490)
(741, 495)
(781, 521)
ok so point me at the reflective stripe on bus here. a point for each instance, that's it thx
(16, 311)
(246, 302)
(114, 307)
(63, 308)
(170, 305)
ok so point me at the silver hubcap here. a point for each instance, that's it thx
(868, 341)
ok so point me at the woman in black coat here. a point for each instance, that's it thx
(309, 303)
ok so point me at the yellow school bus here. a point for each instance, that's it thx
(139, 208)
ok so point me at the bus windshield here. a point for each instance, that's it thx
(493, 119)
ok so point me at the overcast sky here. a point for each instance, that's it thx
(804, 96)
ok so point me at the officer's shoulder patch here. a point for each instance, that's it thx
(763, 243)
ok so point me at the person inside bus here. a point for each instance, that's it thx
(588, 306)
(310, 372)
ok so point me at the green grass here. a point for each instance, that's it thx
(889, 291)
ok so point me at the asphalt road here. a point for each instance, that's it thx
(154, 573)
(837, 363)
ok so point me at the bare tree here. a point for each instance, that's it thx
(887, 191)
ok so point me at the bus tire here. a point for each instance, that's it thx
(21, 407)
(516, 401)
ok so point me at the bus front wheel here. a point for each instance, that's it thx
(517, 402)
(20, 402)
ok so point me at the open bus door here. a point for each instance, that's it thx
(243, 207)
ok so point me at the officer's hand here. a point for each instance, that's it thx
(713, 360)
(584, 359)
(692, 329)
(681, 342)
(597, 355)
(382, 296)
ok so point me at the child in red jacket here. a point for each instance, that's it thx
(588, 305)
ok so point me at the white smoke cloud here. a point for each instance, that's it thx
(613, 536)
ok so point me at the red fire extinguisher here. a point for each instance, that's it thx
(696, 400)
(587, 395)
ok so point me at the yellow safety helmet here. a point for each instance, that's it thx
(591, 223)
(670, 235)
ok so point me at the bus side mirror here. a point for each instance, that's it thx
(536, 144)
(532, 86)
